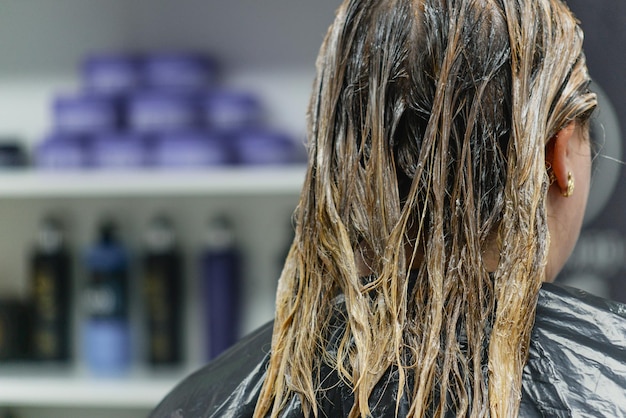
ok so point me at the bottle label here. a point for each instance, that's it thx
(44, 295)
(107, 296)
(47, 314)
(51, 304)
(161, 343)
(162, 307)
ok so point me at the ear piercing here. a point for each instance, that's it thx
(570, 185)
(570, 180)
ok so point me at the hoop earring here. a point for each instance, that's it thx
(570, 185)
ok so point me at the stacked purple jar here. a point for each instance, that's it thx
(159, 110)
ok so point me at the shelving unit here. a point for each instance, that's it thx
(261, 199)
(241, 181)
(66, 389)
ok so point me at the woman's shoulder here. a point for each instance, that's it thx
(577, 357)
(228, 386)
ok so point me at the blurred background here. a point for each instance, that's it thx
(151, 155)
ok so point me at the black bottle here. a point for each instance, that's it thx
(51, 289)
(163, 294)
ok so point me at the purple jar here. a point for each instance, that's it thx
(61, 151)
(118, 150)
(190, 150)
(111, 74)
(260, 146)
(85, 113)
(229, 110)
(179, 71)
(158, 111)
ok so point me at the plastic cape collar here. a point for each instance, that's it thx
(576, 367)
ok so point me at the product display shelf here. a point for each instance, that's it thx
(79, 390)
(39, 391)
(29, 385)
(95, 183)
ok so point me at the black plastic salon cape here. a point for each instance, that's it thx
(576, 368)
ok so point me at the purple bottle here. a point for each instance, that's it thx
(220, 269)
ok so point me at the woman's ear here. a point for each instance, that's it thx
(558, 157)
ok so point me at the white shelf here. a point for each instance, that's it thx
(145, 183)
(135, 392)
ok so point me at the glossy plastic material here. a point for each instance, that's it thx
(576, 368)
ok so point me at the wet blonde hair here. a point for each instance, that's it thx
(427, 130)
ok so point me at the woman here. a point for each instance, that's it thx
(449, 168)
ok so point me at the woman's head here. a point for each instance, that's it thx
(430, 125)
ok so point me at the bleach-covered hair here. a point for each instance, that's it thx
(427, 130)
